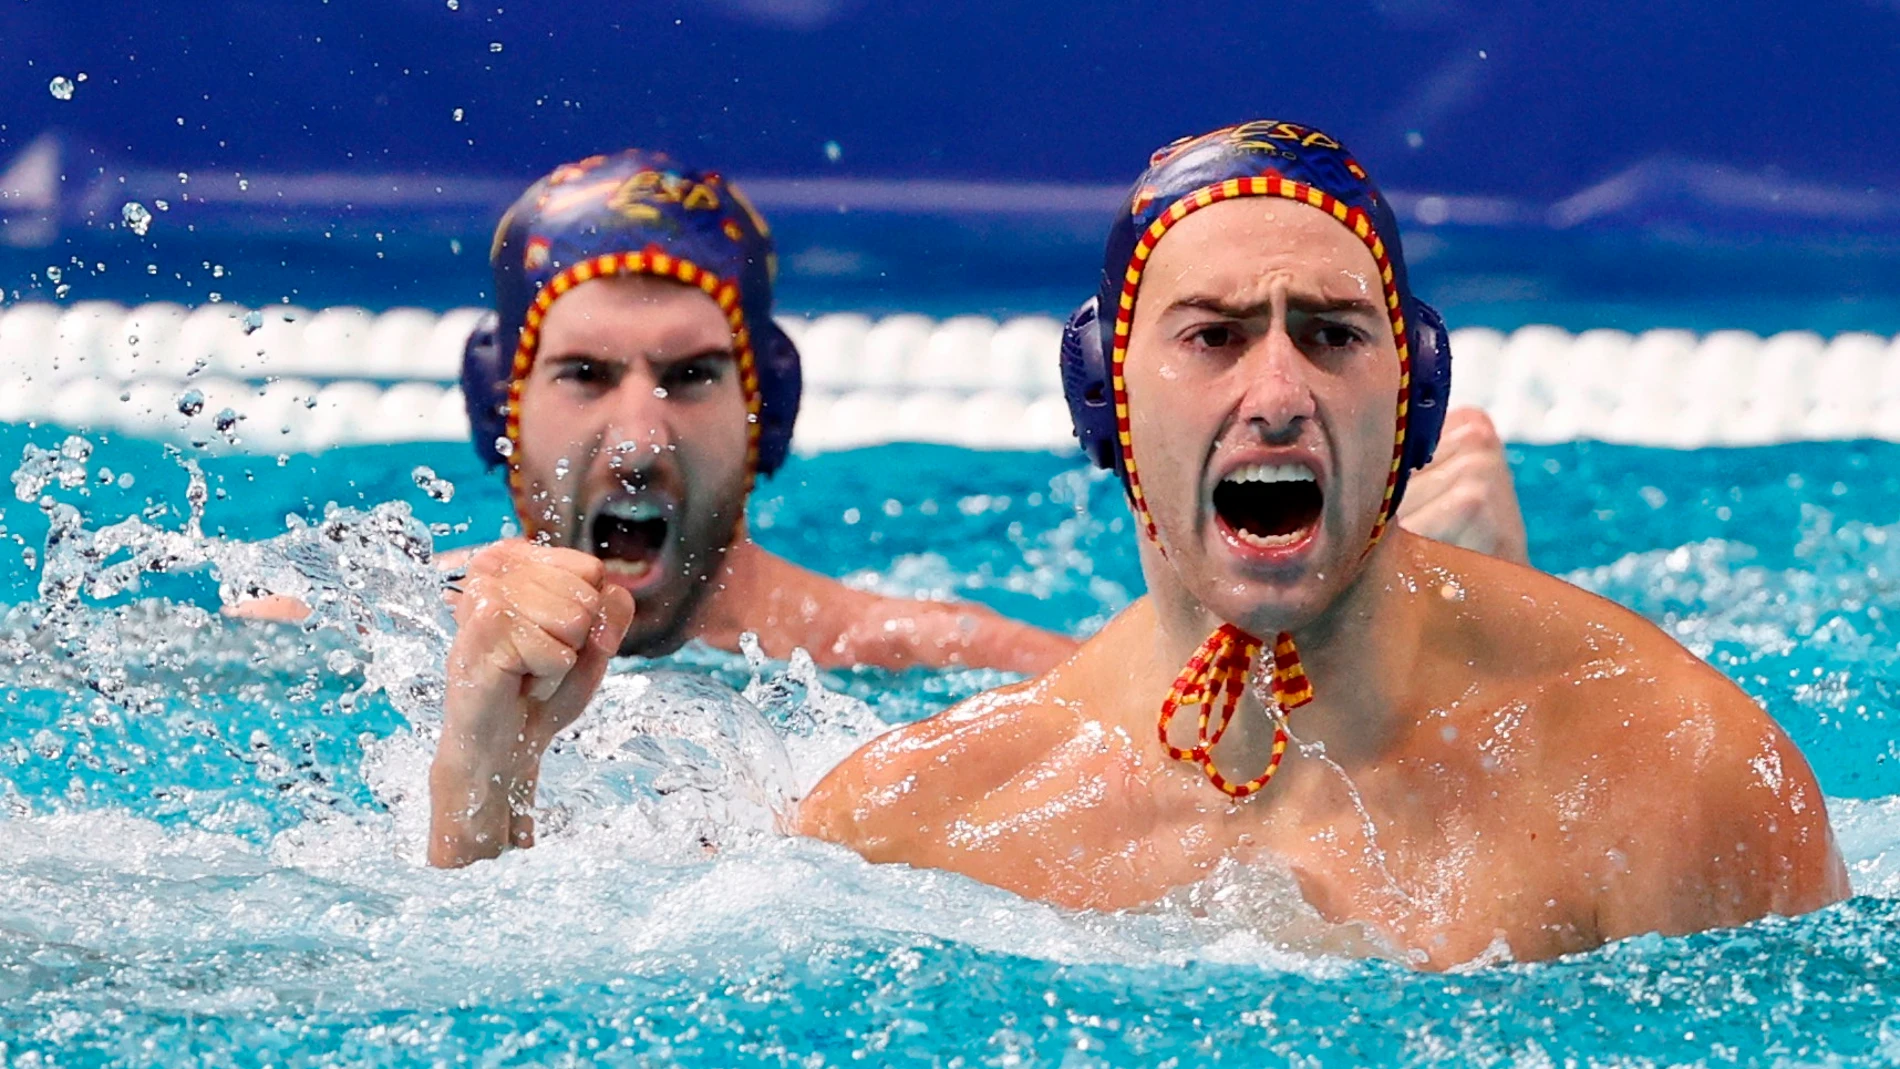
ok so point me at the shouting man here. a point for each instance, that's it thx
(1449, 748)
(635, 387)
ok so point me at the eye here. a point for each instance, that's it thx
(584, 372)
(692, 373)
(1213, 336)
(1335, 336)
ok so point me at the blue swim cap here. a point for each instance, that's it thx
(630, 213)
(1256, 159)
(1263, 158)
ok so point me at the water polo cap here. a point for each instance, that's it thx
(1256, 159)
(632, 213)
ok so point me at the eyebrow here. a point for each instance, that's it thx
(716, 352)
(1310, 305)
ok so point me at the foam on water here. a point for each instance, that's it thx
(211, 843)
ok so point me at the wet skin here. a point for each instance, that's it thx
(634, 404)
(635, 398)
(1057, 788)
(1492, 753)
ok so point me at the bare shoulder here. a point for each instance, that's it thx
(1514, 621)
(1700, 809)
(899, 790)
(1719, 819)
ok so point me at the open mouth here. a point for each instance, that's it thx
(629, 536)
(1269, 506)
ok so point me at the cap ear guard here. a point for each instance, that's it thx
(1086, 388)
(485, 388)
(1430, 391)
(781, 384)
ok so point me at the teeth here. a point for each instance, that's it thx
(1271, 473)
(632, 569)
(1268, 541)
(638, 510)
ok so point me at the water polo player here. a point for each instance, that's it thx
(1460, 753)
(636, 387)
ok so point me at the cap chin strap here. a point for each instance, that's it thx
(656, 263)
(1218, 673)
(1216, 676)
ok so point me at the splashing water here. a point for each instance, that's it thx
(438, 488)
(221, 860)
(137, 217)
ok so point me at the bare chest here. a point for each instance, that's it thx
(1445, 883)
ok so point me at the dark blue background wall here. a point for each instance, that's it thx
(1529, 99)
(1745, 118)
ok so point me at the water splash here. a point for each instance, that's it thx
(136, 217)
(438, 488)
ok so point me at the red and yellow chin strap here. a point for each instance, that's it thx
(1216, 676)
(656, 263)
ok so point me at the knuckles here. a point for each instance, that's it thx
(1471, 429)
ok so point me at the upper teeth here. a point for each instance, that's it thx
(1271, 473)
(634, 511)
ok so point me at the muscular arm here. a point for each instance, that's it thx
(899, 633)
(1725, 830)
(535, 630)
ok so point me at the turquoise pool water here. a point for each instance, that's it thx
(209, 843)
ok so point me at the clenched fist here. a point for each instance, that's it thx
(1465, 495)
(536, 628)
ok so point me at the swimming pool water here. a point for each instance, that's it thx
(224, 867)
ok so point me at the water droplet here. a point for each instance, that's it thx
(494, 46)
(136, 217)
(505, 447)
(62, 290)
(561, 468)
(438, 488)
(252, 321)
(834, 151)
(162, 205)
(226, 422)
(458, 114)
(61, 88)
(191, 402)
(53, 273)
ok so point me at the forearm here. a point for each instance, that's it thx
(1018, 647)
(478, 807)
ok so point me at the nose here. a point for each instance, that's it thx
(1278, 396)
(641, 430)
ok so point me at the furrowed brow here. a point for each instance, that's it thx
(1195, 302)
(575, 357)
(711, 352)
(1305, 304)
(1319, 304)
